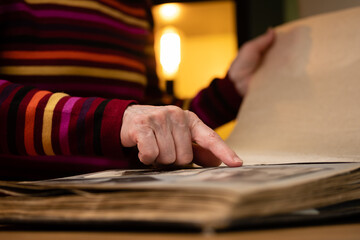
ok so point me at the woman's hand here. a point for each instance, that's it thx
(248, 60)
(170, 135)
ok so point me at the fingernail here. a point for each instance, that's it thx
(237, 159)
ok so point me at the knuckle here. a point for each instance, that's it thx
(193, 118)
(148, 157)
(141, 120)
(175, 112)
(140, 133)
(190, 113)
(158, 116)
(173, 108)
(213, 140)
(197, 122)
(132, 133)
(168, 159)
(145, 160)
(213, 136)
(146, 134)
(185, 159)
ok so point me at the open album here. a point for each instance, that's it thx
(204, 198)
(304, 103)
(298, 133)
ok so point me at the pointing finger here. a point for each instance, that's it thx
(204, 157)
(206, 138)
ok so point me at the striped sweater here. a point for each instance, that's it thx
(69, 69)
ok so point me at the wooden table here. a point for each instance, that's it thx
(347, 231)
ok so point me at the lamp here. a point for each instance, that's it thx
(170, 56)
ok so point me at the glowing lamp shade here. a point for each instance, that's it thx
(170, 53)
(169, 11)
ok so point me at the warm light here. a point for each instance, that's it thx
(170, 53)
(169, 11)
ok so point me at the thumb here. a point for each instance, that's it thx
(264, 41)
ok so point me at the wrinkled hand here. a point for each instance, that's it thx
(248, 60)
(166, 135)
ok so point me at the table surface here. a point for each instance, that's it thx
(346, 231)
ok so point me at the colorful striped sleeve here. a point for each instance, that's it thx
(217, 104)
(35, 122)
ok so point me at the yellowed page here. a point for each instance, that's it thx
(304, 102)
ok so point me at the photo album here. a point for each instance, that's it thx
(298, 133)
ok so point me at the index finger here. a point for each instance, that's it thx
(210, 140)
